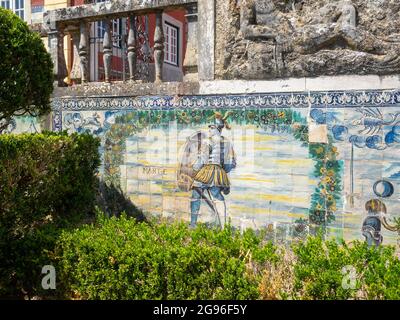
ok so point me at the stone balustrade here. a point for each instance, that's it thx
(75, 21)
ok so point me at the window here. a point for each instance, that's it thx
(37, 9)
(171, 34)
(116, 30)
(5, 4)
(100, 29)
(17, 6)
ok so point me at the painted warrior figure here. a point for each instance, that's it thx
(208, 158)
(376, 217)
(371, 228)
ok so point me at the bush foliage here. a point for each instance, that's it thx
(47, 182)
(125, 259)
(324, 270)
(26, 76)
(120, 258)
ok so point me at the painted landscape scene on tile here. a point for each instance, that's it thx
(283, 168)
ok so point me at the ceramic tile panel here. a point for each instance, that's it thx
(282, 180)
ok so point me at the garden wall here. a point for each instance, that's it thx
(309, 151)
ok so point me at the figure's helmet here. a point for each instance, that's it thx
(220, 121)
(219, 124)
(375, 206)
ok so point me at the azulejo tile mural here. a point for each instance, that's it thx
(23, 124)
(286, 161)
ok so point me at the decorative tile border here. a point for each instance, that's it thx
(57, 120)
(336, 99)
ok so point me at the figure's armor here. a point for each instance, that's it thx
(371, 230)
(216, 150)
(214, 165)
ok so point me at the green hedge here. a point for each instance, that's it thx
(119, 258)
(47, 181)
(323, 270)
(125, 259)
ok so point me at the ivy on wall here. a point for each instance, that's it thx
(327, 169)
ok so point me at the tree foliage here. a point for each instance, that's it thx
(26, 70)
(47, 182)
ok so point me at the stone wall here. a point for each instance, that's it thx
(227, 26)
(304, 157)
(278, 39)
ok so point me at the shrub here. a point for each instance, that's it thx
(26, 75)
(320, 274)
(120, 258)
(278, 278)
(47, 181)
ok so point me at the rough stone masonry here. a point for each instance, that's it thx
(266, 39)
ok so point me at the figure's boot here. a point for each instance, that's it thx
(194, 212)
(221, 211)
(368, 238)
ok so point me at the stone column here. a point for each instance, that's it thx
(107, 50)
(56, 50)
(84, 51)
(158, 47)
(206, 36)
(190, 69)
(132, 48)
(75, 74)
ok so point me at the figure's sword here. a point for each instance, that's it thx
(200, 192)
(209, 202)
(215, 209)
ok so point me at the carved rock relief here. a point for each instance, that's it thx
(297, 38)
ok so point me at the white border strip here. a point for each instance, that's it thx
(332, 83)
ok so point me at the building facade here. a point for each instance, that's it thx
(21, 8)
(175, 28)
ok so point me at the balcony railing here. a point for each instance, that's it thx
(77, 22)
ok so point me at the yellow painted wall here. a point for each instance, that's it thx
(27, 6)
(55, 4)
